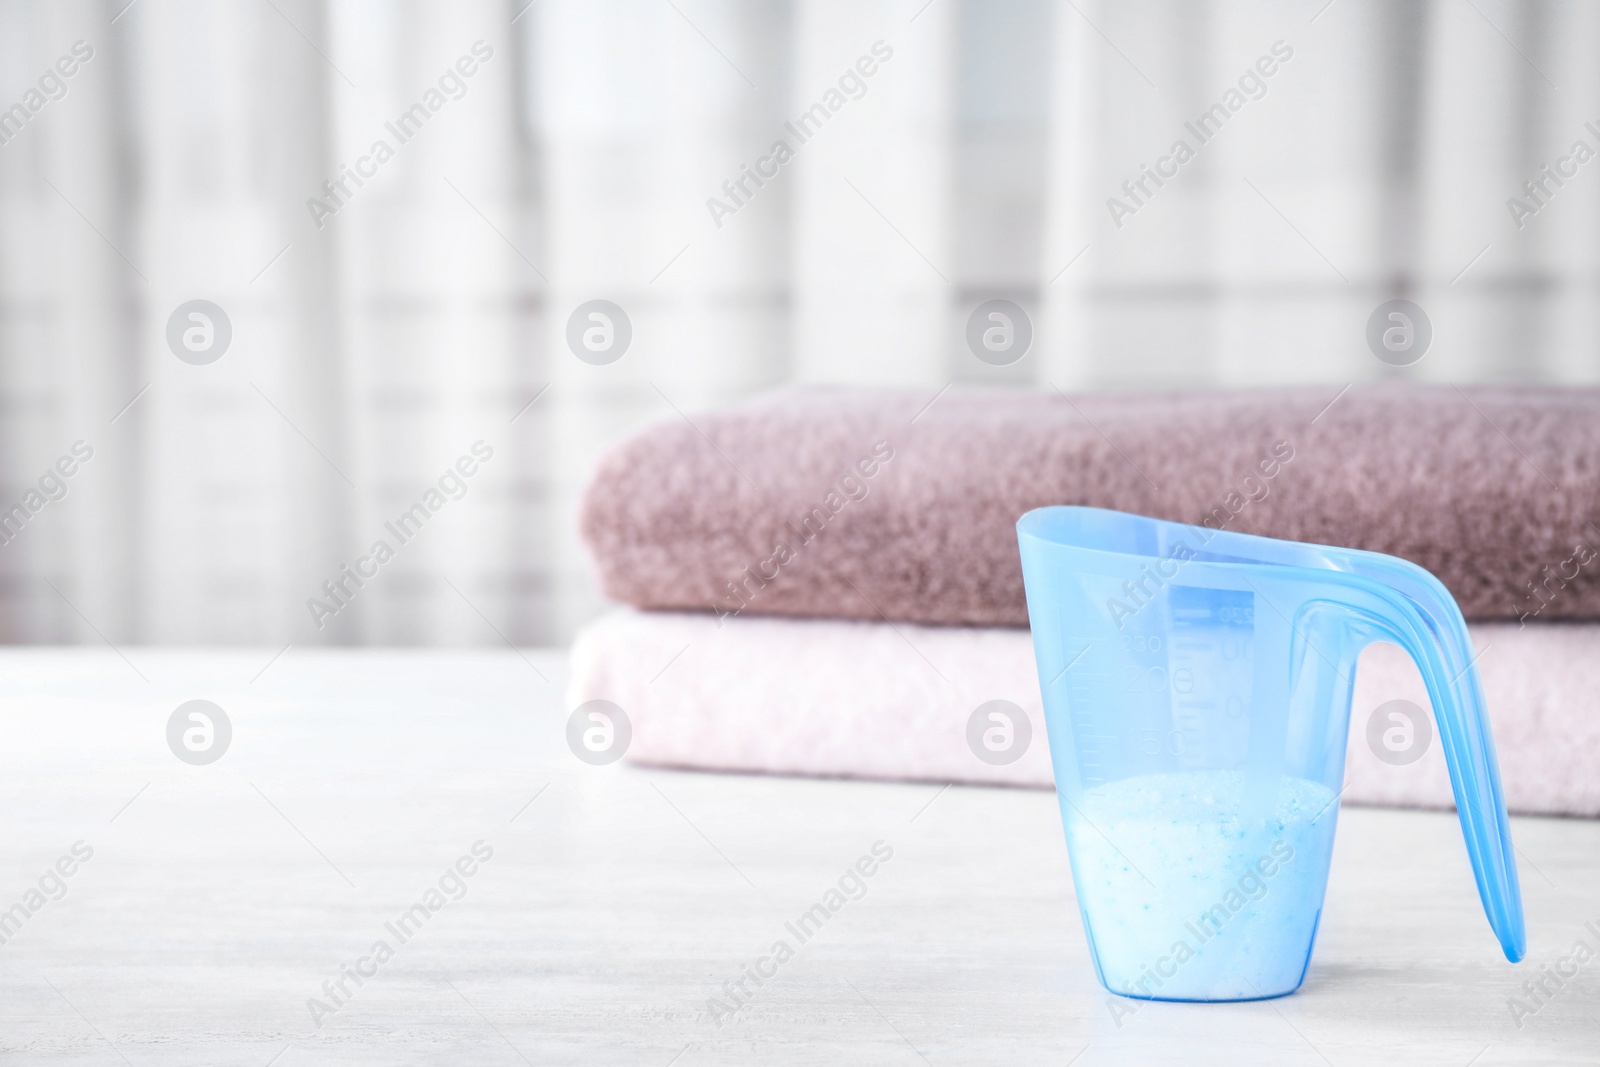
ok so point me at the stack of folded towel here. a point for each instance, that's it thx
(825, 581)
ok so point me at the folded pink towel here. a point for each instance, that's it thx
(874, 700)
(901, 505)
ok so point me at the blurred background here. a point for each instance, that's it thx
(383, 324)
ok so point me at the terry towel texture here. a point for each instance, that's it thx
(856, 699)
(902, 505)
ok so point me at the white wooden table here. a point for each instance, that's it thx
(220, 898)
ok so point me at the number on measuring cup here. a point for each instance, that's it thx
(1153, 743)
(1145, 680)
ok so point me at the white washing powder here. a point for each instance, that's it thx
(1194, 890)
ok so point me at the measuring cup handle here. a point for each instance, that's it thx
(1423, 619)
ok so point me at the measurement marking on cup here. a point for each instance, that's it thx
(1068, 667)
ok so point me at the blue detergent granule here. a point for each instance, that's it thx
(1196, 887)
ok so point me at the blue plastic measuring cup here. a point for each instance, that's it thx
(1197, 688)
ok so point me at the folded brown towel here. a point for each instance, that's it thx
(901, 505)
